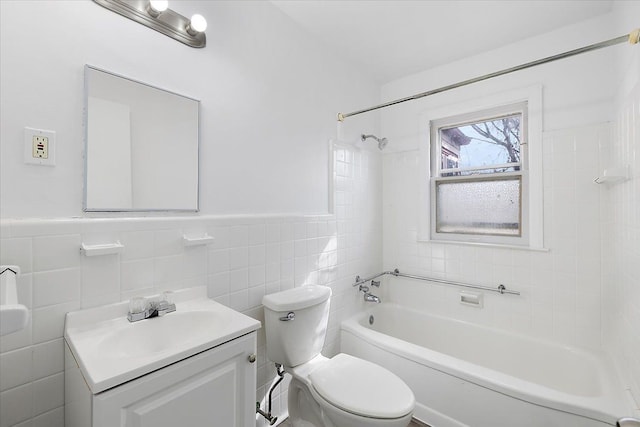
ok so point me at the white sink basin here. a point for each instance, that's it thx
(157, 335)
(111, 350)
(13, 318)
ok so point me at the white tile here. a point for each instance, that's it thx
(15, 368)
(300, 248)
(238, 236)
(239, 301)
(312, 230)
(48, 322)
(272, 233)
(167, 269)
(272, 253)
(56, 252)
(17, 405)
(272, 272)
(256, 275)
(137, 245)
(39, 227)
(54, 418)
(218, 261)
(167, 242)
(137, 274)
(56, 287)
(255, 295)
(48, 393)
(238, 258)
(286, 232)
(48, 358)
(16, 252)
(286, 270)
(221, 236)
(218, 285)
(257, 255)
(17, 339)
(100, 276)
(195, 262)
(257, 234)
(238, 280)
(286, 250)
(300, 230)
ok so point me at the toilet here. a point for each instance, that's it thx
(342, 391)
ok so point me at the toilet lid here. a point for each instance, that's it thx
(362, 388)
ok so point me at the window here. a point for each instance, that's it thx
(479, 179)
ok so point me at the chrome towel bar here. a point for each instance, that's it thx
(501, 289)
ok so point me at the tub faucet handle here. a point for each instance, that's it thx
(375, 283)
(363, 288)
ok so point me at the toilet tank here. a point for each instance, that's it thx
(300, 339)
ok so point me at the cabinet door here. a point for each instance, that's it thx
(213, 388)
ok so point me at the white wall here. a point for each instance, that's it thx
(564, 297)
(269, 96)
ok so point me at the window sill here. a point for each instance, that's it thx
(485, 245)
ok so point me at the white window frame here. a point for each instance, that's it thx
(531, 165)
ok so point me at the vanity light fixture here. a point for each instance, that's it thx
(156, 14)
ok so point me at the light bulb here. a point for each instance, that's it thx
(159, 5)
(156, 7)
(197, 24)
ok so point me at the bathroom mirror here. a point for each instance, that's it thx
(141, 150)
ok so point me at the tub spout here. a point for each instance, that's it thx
(371, 298)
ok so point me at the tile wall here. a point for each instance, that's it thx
(561, 292)
(621, 248)
(250, 257)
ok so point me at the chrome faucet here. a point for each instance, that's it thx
(147, 309)
(371, 298)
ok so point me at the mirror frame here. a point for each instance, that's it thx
(87, 69)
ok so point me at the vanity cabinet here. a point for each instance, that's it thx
(213, 388)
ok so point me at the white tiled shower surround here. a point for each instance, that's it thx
(250, 257)
(621, 244)
(560, 287)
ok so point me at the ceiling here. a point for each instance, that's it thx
(395, 38)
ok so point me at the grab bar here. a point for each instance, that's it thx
(501, 289)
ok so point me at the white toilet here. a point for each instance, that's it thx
(343, 391)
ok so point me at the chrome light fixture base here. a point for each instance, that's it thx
(168, 22)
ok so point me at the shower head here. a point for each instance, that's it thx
(382, 142)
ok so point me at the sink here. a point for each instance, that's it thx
(110, 350)
(157, 335)
(13, 318)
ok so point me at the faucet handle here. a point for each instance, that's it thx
(375, 283)
(363, 288)
(137, 305)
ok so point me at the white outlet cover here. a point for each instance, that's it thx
(29, 135)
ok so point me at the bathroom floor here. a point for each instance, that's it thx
(287, 423)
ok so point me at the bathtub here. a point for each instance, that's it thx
(467, 375)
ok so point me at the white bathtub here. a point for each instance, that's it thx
(466, 375)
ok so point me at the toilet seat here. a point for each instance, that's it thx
(362, 388)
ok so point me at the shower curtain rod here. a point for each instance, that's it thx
(633, 37)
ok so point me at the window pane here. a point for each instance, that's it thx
(481, 206)
(490, 146)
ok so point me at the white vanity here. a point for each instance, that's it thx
(192, 367)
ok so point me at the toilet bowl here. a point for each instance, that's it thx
(342, 391)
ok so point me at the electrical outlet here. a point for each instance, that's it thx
(39, 147)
